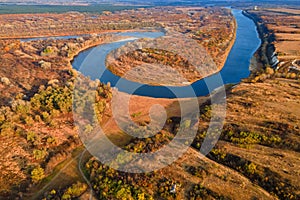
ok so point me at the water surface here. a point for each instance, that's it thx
(92, 63)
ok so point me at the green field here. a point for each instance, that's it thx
(98, 8)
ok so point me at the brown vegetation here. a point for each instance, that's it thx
(281, 29)
(257, 156)
(213, 29)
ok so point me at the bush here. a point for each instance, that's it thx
(53, 98)
(269, 70)
(46, 117)
(76, 190)
(198, 171)
(31, 137)
(206, 113)
(250, 168)
(271, 181)
(37, 174)
(200, 192)
(7, 128)
(124, 193)
(244, 139)
(165, 187)
(28, 120)
(51, 140)
(218, 154)
(5, 80)
(109, 183)
(39, 154)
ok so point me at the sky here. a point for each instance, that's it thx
(130, 1)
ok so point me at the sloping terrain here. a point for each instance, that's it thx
(256, 157)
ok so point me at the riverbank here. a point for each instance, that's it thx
(263, 54)
(157, 67)
(103, 39)
(281, 36)
(98, 41)
(235, 68)
(228, 49)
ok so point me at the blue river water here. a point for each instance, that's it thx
(54, 37)
(92, 63)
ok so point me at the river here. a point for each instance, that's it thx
(92, 63)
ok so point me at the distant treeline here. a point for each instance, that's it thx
(98, 8)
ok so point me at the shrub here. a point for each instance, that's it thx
(198, 171)
(165, 187)
(269, 70)
(88, 128)
(293, 75)
(7, 128)
(134, 115)
(112, 184)
(5, 81)
(51, 140)
(186, 124)
(46, 117)
(76, 190)
(218, 154)
(124, 193)
(250, 168)
(31, 137)
(53, 98)
(206, 113)
(37, 174)
(200, 192)
(28, 120)
(37, 118)
(39, 154)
